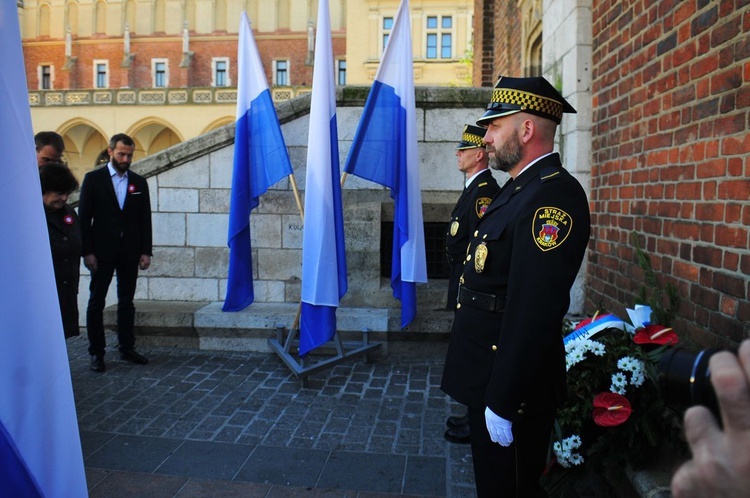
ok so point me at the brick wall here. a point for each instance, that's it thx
(671, 105)
(138, 74)
(508, 53)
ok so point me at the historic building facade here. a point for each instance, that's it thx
(165, 71)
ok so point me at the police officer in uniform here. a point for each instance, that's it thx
(479, 188)
(506, 359)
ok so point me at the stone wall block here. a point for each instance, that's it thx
(208, 230)
(178, 200)
(211, 262)
(438, 169)
(189, 175)
(279, 264)
(214, 200)
(221, 166)
(183, 289)
(168, 229)
(292, 230)
(447, 125)
(265, 230)
(172, 262)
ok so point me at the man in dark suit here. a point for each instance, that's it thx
(479, 188)
(115, 213)
(506, 359)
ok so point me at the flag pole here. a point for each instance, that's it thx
(299, 201)
(343, 178)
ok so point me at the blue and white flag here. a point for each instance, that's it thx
(40, 448)
(323, 257)
(384, 151)
(260, 160)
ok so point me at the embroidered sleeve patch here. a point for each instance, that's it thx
(550, 227)
(482, 204)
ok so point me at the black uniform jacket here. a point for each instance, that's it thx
(105, 227)
(530, 244)
(65, 244)
(470, 207)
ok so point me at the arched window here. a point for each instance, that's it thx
(159, 16)
(130, 15)
(44, 17)
(220, 22)
(190, 14)
(282, 14)
(73, 18)
(101, 18)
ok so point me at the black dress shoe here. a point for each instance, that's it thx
(97, 364)
(458, 421)
(458, 435)
(133, 357)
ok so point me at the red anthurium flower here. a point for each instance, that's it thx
(655, 334)
(611, 409)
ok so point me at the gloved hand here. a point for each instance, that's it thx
(499, 428)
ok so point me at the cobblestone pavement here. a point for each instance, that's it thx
(203, 423)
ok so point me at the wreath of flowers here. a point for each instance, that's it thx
(614, 408)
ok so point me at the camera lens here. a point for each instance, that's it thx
(685, 379)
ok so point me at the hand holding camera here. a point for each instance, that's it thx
(720, 466)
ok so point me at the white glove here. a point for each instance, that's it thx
(499, 428)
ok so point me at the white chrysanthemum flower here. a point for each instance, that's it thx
(619, 379)
(597, 348)
(576, 459)
(557, 447)
(618, 390)
(637, 379)
(626, 363)
(575, 441)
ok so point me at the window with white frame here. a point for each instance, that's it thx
(439, 42)
(386, 31)
(281, 73)
(160, 73)
(220, 71)
(46, 76)
(101, 74)
(341, 72)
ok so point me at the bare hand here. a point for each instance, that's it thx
(89, 261)
(720, 466)
(145, 262)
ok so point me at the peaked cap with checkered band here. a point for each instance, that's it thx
(533, 95)
(471, 138)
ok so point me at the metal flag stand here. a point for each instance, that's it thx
(344, 350)
(286, 346)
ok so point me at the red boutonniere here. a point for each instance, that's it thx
(68, 219)
(611, 409)
(131, 188)
(655, 334)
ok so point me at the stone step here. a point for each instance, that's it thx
(203, 325)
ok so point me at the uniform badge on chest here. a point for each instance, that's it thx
(480, 257)
(454, 228)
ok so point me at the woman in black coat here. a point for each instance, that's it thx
(64, 239)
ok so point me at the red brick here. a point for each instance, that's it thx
(735, 190)
(710, 212)
(727, 236)
(712, 169)
(706, 255)
(689, 190)
(685, 271)
(731, 261)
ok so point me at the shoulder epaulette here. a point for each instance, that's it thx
(548, 174)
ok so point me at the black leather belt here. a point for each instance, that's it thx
(480, 300)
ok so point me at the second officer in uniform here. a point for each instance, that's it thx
(479, 188)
